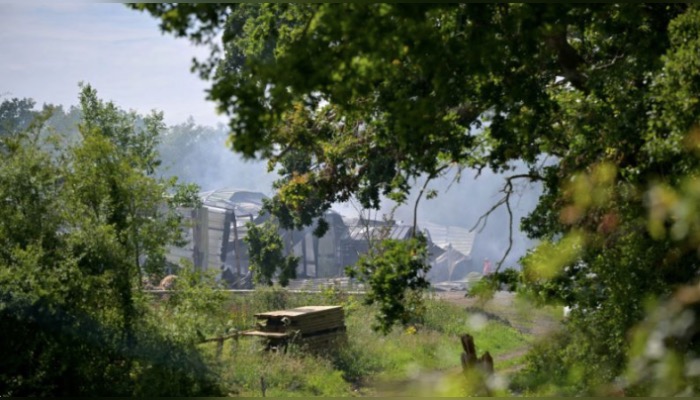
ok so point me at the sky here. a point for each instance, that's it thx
(47, 49)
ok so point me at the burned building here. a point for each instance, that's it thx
(215, 234)
(452, 252)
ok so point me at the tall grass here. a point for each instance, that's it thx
(367, 360)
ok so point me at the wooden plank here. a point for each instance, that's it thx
(316, 328)
(274, 335)
(319, 308)
(296, 312)
(280, 314)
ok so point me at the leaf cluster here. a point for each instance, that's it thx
(394, 271)
(266, 252)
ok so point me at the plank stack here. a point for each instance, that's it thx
(315, 327)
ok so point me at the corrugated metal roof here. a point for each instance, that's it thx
(449, 257)
(444, 236)
(234, 195)
(359, 230)
(242, 202)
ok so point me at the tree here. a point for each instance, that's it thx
(80, 224)
(266, 252)
(394, 270)
(599, 101)
(16, 115)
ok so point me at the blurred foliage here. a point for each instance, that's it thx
(485, 288)
(664, 354)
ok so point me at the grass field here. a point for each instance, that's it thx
(422, 359)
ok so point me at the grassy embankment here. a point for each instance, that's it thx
(370, 362)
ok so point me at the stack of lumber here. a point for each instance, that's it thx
(314, 326)
(306, 320)
(325, 340)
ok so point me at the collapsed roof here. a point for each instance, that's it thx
(457, 238)
(242, 202)
(216, 231)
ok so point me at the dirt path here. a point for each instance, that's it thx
(505, 307)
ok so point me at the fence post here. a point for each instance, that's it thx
(469, 359)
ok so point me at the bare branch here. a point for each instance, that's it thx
(415, 206)
(430, 177)
(507, 192)
(612, 62)
(365, 222)
(277, 157)
(485, 216)
(510, 226)
(455, 179)
(531, 176)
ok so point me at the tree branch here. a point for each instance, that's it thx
(485, 216)
(507, 188)
(507, 192)
(568, 58)
(415, 206)
(430, 177)
(466, 114)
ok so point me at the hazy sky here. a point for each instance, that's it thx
(46, 49)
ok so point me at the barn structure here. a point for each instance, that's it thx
(215, 234)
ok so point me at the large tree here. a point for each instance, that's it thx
(79, 225)
(599, 101)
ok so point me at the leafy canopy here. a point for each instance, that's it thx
(599, 101)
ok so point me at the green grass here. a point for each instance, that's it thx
(368, 360)
(522, 314)
(294, 374)
(495, 337)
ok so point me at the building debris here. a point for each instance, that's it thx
(215, 235)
